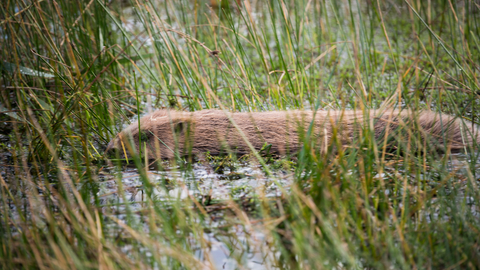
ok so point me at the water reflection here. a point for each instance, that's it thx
(233, 248)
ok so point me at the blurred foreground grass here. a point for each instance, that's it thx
(74, 72)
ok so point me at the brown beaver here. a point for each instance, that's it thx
(166, 132)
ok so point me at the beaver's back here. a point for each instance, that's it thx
(215, 131)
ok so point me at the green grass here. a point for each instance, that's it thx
(74, 72)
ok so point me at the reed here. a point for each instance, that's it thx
(74, 73)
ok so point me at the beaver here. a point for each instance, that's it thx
(167, 133)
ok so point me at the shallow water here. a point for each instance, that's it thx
(202, 180)
(233, 249)
(239, 246)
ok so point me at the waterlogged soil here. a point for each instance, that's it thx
(213, 186)
(202, 180)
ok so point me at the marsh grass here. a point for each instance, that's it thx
(73, 72)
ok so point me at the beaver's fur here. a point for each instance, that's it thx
(168, 132)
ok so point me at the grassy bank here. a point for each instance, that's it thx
(74, 73)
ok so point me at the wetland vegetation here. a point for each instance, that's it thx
(75, 73)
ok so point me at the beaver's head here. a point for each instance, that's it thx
(160, 134)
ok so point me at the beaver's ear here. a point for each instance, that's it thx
(180, 128)
(145, 135)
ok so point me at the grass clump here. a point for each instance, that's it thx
(72, 74)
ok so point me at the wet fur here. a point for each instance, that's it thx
(212, 131)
